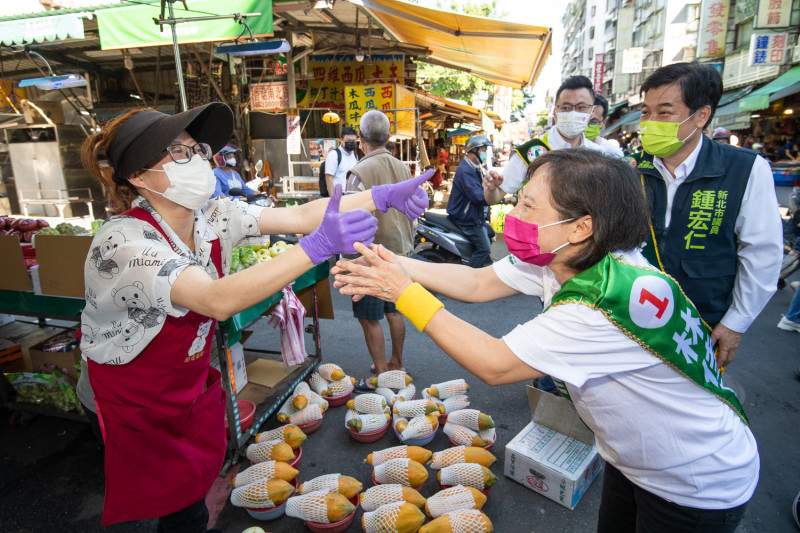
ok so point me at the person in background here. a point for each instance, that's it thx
(468, 207)
(442, 157)
(571, 114)
(788, 151)
(226, 175)
(721, 135)
(341, 159)
(715, 225)
(157, 281)
(597, 122)
(680, 455)
(378, 168)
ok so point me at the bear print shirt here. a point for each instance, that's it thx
(130, 270)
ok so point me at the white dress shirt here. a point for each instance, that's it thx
(759, 231)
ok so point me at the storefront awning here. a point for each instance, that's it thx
(500, 52)
(460, 112)
(780, 87)
(628, 122)
(40, 29)
(728, 116)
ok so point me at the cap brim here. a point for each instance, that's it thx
(211, 124)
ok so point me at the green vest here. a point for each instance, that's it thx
(651, 308)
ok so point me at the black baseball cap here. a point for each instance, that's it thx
(145, 135)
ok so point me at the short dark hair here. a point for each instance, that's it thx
(585, 182)
(347, 130)
(701, 85)
(575, 82)
(600, 100)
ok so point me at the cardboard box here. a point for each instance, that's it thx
(61, 262)
(554, 455)
(11, 359)
(64, 361)
(237, 367)
(15, 276)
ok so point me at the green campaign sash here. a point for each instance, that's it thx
(650, 308)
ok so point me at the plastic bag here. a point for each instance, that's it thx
(45, 390)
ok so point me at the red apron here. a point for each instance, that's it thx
(162, 417)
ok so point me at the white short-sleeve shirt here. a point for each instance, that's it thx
(663, 432)
(130, 270)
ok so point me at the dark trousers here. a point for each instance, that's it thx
(192, 519)
(479, 238)
(627, 508)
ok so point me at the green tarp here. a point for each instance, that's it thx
(133, 26)
(760, 98)
(41, 29)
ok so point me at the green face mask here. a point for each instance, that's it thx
(661, 138)
(592, 131)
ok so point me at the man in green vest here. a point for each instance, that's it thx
(715, 225)
(571, 114)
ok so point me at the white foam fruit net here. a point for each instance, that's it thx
(467, 474)
(315, 398)
(255, 495)
(407, 393)
(397, 418)
(468, 521)
(349, 415)
(393, 471)
(430, 397)
(379, 495)
(452, 499)
(371, 422)
(327, 483)
(302, 389)
(261, 451)
(326, 370)
(387, 454)
(451, 388)
(257, 472)
(287, 409)
(272, 434)
(448, 457)
(487, 434)
(341, 387)
(455, 403)
(383, 519)
(393, 379)
(310, 413)
(465, 417)
(387, 393)
(370, 403)
(417, 426)
(459, 434)
(317, 383)
(411, 408)
(312, 507)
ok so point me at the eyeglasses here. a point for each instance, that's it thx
(180, 153)
(581, 108)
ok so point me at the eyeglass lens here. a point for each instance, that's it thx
(181, 153)
(582, 108)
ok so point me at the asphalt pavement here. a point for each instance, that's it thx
(51, 470)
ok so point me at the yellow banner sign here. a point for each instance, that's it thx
(330, 75)
(11, 97)
(387, 98)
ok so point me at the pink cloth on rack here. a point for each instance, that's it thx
(290, 314)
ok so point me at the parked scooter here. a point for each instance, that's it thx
(438, 240)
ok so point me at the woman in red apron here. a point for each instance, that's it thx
(156, 284)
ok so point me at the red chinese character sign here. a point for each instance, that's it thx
(329, 74)
(713, 28)
(768, 49)
(362, 98)
(774, 14)
(599, 66)
(273, 95)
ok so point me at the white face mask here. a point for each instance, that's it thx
(572, 123)
(231, 161)
(190, 184)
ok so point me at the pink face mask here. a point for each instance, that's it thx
(522, 239)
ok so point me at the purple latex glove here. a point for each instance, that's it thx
(407, 196)
(338, 231)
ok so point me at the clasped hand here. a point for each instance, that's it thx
(376, 273)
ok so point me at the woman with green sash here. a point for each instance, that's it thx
(620, 338)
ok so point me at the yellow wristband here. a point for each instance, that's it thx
(418, 305)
